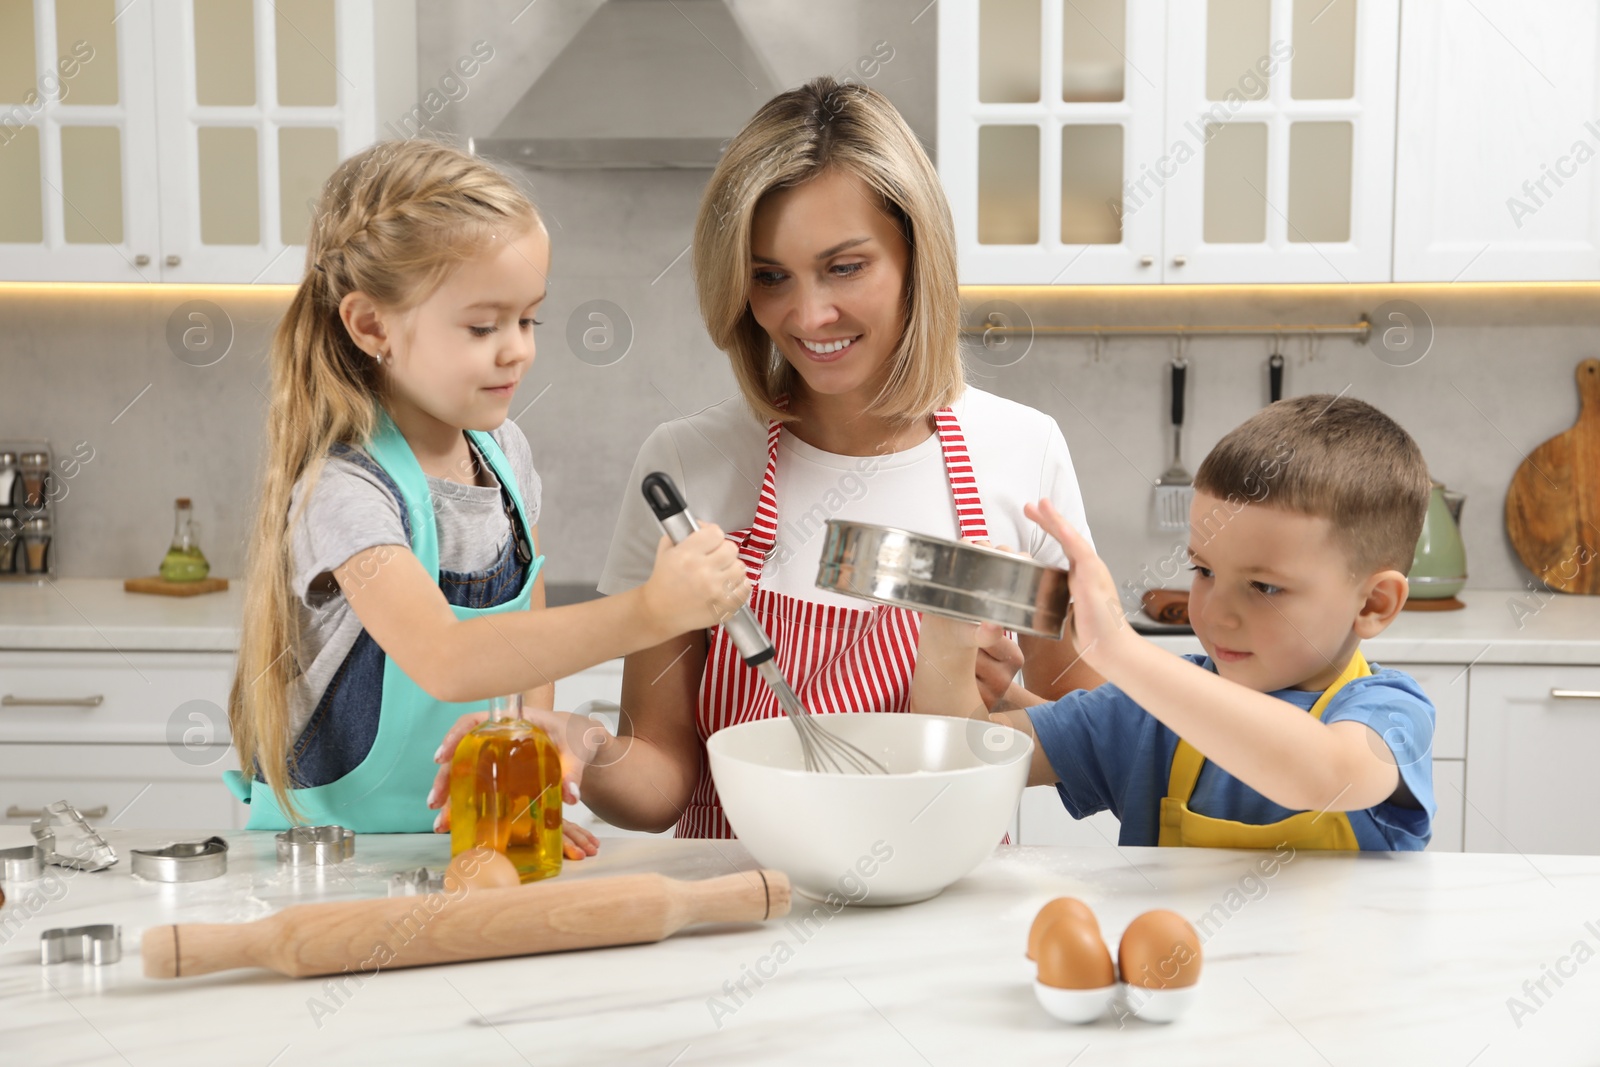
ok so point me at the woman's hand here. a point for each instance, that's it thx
(999, 660)
(1099, 625)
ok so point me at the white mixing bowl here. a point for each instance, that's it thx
(873, 838)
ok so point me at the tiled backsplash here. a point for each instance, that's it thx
(92, 372)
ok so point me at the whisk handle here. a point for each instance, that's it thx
(673, 514)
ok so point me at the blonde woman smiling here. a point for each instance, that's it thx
(825, 264)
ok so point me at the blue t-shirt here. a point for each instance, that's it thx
(1111, 754)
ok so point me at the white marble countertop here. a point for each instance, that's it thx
(1333, 959)
(1497, 626)
(96, 614)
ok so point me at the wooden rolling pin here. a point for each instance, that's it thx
(477, 924)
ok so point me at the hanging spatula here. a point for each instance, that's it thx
(1175, 487)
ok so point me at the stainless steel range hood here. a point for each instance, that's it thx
(644, 84)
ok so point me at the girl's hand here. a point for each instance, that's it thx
(577, 738)
(1099, 625)
(696, 583)
(577, 842)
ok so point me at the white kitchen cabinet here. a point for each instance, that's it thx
(137, 739)
(1499, 128)
(1115, 141)
(1046, 110)
(1449, 794)
(601, 682)
(138, 697)
(1531, 741)
(1044, 820)
(1288, 108)
(126, 786)
(193, 143)
(78, 170)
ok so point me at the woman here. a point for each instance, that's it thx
(825, 264)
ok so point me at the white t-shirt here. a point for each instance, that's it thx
(717, 458)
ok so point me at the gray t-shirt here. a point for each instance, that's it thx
(350, 511)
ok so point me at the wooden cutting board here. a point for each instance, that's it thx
(1553, 505)
(161, 587)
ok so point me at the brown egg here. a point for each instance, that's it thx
(1060, 908)
(481, 868)
(1160, 950)
(1074, 956)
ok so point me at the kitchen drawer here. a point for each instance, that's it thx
(137, 786)
(140, 697)
(1446, 685)
(1449, 792)
(1531, 741)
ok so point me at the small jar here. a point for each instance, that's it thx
(36, 546)
(10, 544)
(35, 474)
(8, 478)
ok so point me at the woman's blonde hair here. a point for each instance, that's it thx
(392, 222)
(796, 136)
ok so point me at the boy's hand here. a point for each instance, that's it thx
(1099, 625)
(696, 583)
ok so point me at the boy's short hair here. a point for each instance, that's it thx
(1334, 457)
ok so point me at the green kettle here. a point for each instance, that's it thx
(1439, 568)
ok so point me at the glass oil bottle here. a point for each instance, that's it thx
(505, 791)
(184, 561)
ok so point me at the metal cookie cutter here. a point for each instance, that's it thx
(92, 944)
(185, 861)
(320, 845)
(416, 883)
(91, 851)
(22, 864)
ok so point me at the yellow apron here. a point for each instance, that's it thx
(1303, 830)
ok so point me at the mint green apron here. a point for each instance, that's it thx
(388, 791)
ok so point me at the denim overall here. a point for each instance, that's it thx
(365, 757)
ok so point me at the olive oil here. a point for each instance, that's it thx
(505, 792)
(184, 562)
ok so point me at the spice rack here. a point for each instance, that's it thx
(28, 492)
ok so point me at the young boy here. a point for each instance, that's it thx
(1304, 523)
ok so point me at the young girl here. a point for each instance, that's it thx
(394, 582)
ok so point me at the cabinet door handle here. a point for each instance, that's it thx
(14, 812)
(12, 701)
(1576, 694)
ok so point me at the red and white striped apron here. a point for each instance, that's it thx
(836, 659)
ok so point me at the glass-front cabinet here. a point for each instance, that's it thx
(1047, 108)
(1115, 141)
(77, 142)
(181, 141)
